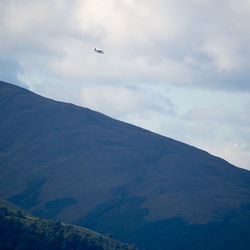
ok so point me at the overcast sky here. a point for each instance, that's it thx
(180, 68)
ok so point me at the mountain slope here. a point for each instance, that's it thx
(19, 231)
(61, 161)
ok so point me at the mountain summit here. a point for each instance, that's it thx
(65, 162)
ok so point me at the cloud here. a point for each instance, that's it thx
(197, 43)
(222, 132)
(9, 71)
(116, 99)
(221, 115)
(119, 101)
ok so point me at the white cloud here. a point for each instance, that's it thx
(197, 43)
(123, 101)
(114, 99)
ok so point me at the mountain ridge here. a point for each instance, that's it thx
(25, 91)
(77, 165)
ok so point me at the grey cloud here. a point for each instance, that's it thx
(164, 41)
(220, 115)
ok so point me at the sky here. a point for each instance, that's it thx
(180, 68)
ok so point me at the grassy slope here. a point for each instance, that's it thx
(70, 163)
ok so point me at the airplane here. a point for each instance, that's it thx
(99, 51)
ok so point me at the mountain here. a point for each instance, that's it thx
(69, 163)
(20, 231)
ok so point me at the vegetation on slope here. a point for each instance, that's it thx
(20, 231)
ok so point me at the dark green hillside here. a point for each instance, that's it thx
(19, 231)
(61, 161)
(11, 207)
